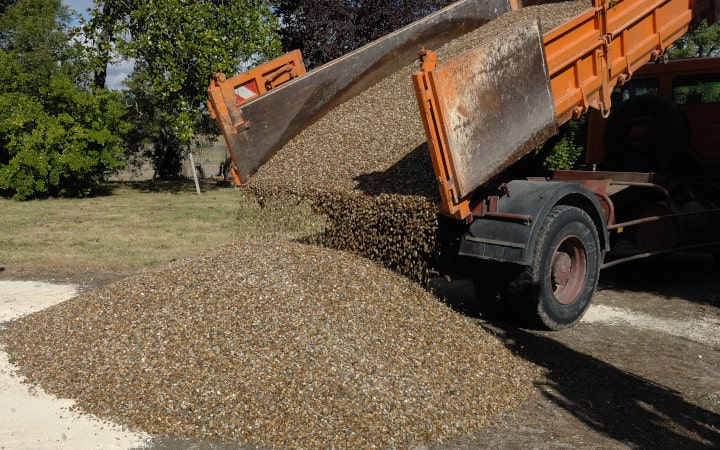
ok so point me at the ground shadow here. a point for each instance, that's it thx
(628, 408)
(689, 276)
(175, 186)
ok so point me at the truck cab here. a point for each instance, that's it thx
(692, 85)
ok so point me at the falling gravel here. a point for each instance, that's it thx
(365, 165)
(283, 345)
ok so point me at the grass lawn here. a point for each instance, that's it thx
(139, 225)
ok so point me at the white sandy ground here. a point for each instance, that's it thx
(34, 419)
(702, 331)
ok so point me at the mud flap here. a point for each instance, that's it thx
(495, 104)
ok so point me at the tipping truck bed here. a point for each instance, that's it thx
(261, 110)
(484, 110)
(255, 129)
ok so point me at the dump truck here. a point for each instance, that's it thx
(536, 243)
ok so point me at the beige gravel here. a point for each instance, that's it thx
(29, 417)
(277, 344)
(290, 345)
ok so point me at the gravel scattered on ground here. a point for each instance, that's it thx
(275, 344)
(29, 417)
(366, 165)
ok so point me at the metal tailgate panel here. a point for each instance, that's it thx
(496, 104)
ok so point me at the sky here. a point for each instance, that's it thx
(79, 5)
(116, 73)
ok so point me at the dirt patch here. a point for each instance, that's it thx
(84, 280)
(641, 370)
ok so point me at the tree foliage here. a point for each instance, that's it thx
(326, 29)
(5, 4)
(176, 46)
(704, 41)
(55, 138)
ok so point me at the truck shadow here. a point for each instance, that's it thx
(607, 394)
(689, 276)
(621, 405)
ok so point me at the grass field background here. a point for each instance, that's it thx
(139, 225)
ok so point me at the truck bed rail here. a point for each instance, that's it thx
(584, 58)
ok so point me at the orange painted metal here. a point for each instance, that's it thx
(436, 138)
(604, 46)
(242, 88)
(479, 93)
(262, 78)
(586, 57)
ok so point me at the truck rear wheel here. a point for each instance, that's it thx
(556, 289)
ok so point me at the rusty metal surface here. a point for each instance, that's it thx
(496, 104)
(280, 114)
(574, 175)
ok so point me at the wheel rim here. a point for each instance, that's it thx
(568, 269)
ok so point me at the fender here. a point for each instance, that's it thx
(513, 241)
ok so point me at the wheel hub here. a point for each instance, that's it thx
(568, 269)
(561, 269)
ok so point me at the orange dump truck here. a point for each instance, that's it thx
(539, 243)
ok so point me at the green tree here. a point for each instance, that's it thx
(4, 4)
(99, 36)
(704, 41)
(56, 138)
(327, 29)
(176, 46)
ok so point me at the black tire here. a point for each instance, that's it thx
(646, 133)
(555, 291)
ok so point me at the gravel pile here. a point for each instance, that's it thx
(283, 345)
(366, 165)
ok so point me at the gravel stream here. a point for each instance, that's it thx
(365, 164)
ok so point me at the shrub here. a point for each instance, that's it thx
(63, 142)
(566, 149)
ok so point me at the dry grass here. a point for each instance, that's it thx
(139, 225)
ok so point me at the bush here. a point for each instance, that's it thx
(566, 149)
(63, 142)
